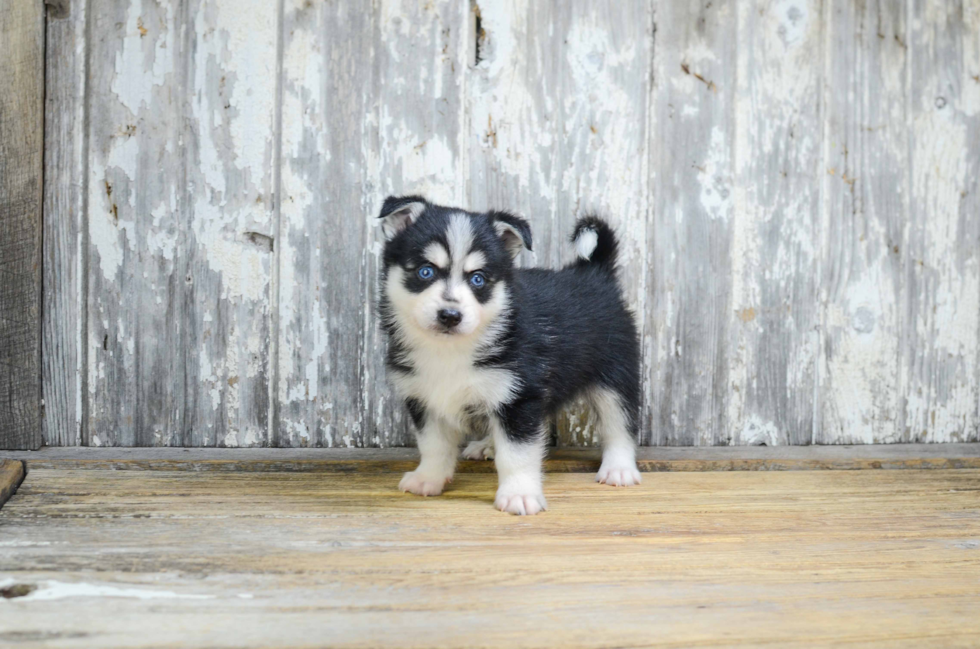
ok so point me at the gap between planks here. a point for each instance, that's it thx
(650, 459)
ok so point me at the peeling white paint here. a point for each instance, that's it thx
(715, 178)
(145, 60)
(793, 17)
(318, 362)
(105, 223)
(244, 269)
(53, 590)
(757, 432)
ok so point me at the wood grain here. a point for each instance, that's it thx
(686, 559)
(64, 280)
(865, 241)
(690, 270)
(11, 475)
(226, 222)
(327, 106)
(942, 267)
(773, 315)
(563, 460)
(135, 200)
(21, 174)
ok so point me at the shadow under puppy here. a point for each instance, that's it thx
(472, 338)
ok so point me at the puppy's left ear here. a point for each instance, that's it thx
(513, 231)
(399, 212)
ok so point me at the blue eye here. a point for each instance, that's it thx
(426, 272)
(477, 280)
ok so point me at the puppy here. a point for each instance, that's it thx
(475, 342)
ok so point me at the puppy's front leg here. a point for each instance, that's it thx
(519, 441)
(438, 442)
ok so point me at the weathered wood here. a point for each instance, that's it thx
(865, 225)
(328, 172)
(135, 199)
(690, 272)
(777, 150)
(21, 174)
(62, 350)
(180, 223)
(59, 8)
(735, 559)
(942, 264)
(226, 224)
(11, 475)
(367, 460)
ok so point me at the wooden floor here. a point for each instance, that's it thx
(126, 558)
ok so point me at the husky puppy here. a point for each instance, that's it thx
(475, 341)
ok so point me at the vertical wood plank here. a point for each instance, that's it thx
(557, 108)
(134, 197)
(327, 190)
(180, 223)
(970, 207)
(943, 262)
(773, 315)
(866, 212)
(227, 225)
(692, 180)
(62, 351)
(21, 174)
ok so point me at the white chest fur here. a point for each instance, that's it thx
(448, 383)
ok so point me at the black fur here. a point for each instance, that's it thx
(417, 411)
(565, 331)
(392, 203)
(570, 331)
(519, 224)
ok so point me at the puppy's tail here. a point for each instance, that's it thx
(595, 243)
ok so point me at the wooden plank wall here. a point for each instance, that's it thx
(795, 182)
(21, 175)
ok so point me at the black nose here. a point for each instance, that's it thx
(449, 317)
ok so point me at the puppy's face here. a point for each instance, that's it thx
(446, 270)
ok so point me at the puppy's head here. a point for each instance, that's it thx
(446, 270)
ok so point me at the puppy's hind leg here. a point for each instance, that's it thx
(479, 449)
(482, 447)
(617, 428)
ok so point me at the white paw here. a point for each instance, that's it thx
(616, 474)
(423, 484)
(520, 504)
(480, 449)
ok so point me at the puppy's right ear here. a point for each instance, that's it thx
(400, 212)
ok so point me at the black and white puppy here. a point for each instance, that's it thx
(475, 342)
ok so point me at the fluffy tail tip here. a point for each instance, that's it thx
(585, 243)
(595, 243)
